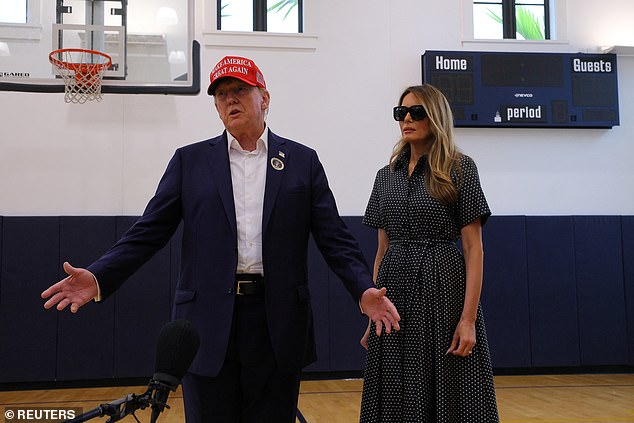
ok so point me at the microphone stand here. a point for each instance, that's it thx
(177, 346)
(118, 409)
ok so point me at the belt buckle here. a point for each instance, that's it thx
(238, 289)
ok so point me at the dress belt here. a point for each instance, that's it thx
(425, 241)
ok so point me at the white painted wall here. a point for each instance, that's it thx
(106, 158)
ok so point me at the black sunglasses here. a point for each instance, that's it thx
(417, 112)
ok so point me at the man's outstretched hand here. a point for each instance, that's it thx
(78, 288)
(380, 309)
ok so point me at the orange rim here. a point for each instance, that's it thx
(79, 67)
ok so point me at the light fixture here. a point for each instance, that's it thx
(167, 16)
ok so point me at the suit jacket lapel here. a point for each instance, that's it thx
(277, 159)
(218, 157)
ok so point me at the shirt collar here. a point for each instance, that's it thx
(403, 159)
(261, 143)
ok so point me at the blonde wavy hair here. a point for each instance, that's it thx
(444, 156)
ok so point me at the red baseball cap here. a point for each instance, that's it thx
(236, 67)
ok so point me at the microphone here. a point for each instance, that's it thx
(177, 345)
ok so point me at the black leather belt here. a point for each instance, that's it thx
(249, 284)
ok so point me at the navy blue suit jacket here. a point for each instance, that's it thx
(196, 189)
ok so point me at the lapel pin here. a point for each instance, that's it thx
(277, 164)
(281, 154)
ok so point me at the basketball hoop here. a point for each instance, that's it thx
(82, 72)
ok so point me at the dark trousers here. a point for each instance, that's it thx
(249, 388)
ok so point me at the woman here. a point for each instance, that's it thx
(437, 368)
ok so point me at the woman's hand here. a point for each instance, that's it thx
(464, 339)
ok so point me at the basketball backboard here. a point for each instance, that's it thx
(150, 42)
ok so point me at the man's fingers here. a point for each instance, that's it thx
(392, 314)
(63, 304)
(49, 291)
(379, 327)
(61, 298)
(382, 311)
(75, 290)
(389, 305)
(53, 289)
(387, 324)
(394, 322)
(391, 308)
(54, 300)
(392, 311)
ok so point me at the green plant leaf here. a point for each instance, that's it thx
(497, 18)
(528, 25)
(280, 5)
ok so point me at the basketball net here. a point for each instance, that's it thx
(82, 72)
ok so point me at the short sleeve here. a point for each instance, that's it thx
(472, 203)
(372, 215)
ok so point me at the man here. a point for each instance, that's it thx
(248, 200)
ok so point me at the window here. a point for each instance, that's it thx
(515, 19)
(283, 16)
(13, 11)
(19, 21)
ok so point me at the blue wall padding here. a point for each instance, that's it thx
(504, 295)
(627, 239)
(558, 291)
(347, 324)
(142, 307)
(28, 333)
(85, 340)
(600, 290)
(552, 291)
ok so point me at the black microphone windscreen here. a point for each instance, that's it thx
(177, 345)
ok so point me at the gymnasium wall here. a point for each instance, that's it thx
(559, 278)
(334, 93)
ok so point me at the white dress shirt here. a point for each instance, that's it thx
(248, 178)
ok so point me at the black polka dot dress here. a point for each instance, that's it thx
(408, 375)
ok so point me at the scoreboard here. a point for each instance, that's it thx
(499, 89)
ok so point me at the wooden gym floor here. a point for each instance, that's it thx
(585, 398)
